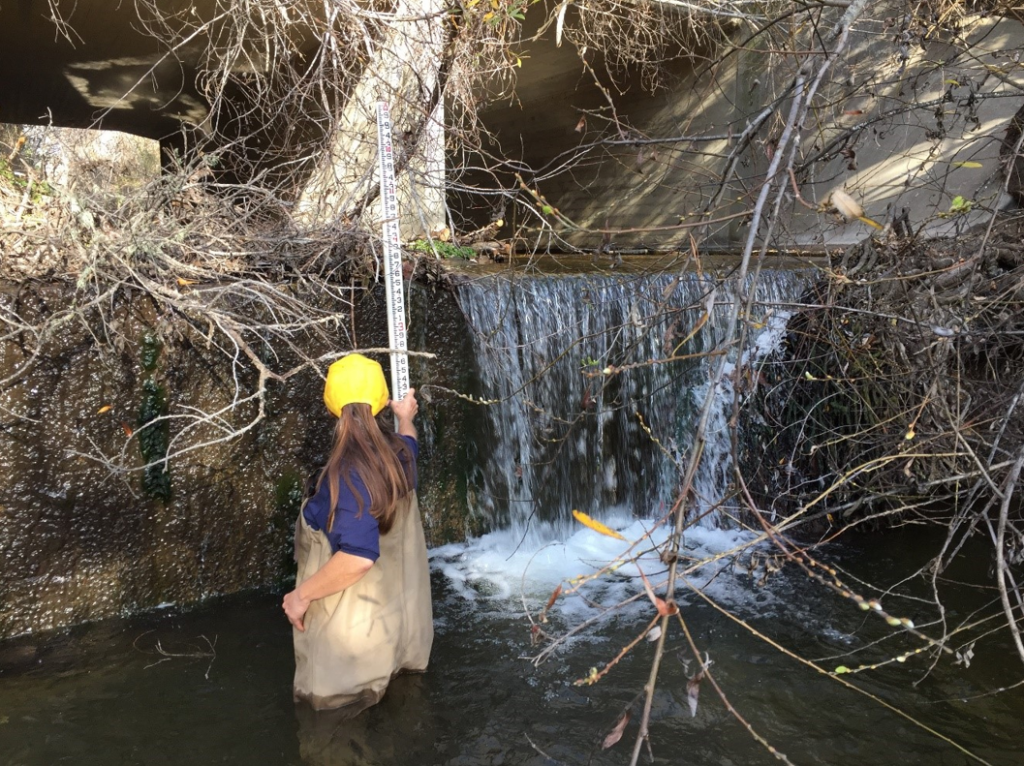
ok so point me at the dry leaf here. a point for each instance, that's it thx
(127, 431)
(554, 597)
(597, 526)
(616, 733)
(587, 399)
(964, 658)
(654, 633)
(665, 607)
(104, 408)
(693, 692)
(709, 306)
(582, 124)
(696, 328)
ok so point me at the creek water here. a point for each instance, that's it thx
(103, 693)
(212, 684)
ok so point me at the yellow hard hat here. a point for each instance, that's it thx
(354, 379)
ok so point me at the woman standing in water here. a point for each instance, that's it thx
(361, 607)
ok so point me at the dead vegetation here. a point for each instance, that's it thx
(900, 397)
(899, 393)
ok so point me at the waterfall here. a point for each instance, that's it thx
(584, 414)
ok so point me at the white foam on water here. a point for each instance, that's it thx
(499, 570)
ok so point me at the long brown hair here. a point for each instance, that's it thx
(361, 447)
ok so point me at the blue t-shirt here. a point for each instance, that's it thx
(352, 533)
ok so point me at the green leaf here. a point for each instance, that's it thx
(841, 669)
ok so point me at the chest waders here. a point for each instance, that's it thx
(355, 641)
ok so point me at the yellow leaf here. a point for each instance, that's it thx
(700, 323)
(910, 435)
(968, 164)
(494, 4)
(489, 15)
(869, 222)
(104, 408)
(597, 526)
(185, 282)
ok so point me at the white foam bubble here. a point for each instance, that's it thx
(503, 569)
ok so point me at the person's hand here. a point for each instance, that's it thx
(295, 609)
(406, 409)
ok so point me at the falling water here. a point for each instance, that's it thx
(586, 413)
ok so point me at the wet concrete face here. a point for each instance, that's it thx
(81, 542)
(447, 424)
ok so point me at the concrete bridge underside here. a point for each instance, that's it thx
(100, 66)
(96, 68)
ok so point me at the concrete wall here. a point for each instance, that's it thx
(79, 541)
(912, 122)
